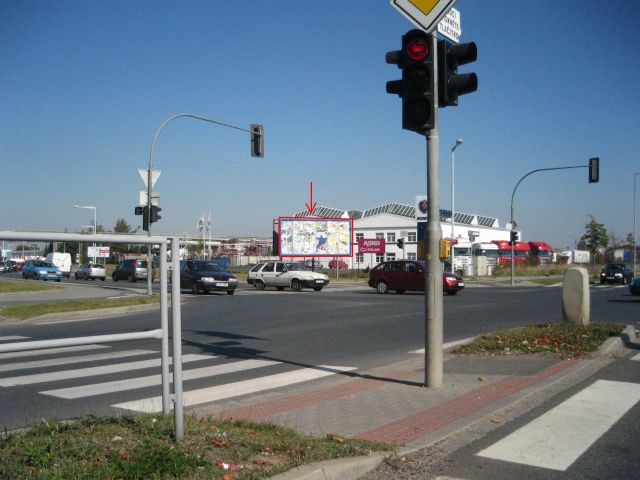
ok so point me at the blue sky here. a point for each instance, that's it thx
(85, 85)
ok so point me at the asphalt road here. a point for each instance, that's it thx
(340, 326)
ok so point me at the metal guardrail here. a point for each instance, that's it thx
(162, 333)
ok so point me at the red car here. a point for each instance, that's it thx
(338, 263)
(403, 275)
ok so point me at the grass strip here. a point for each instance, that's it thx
(17, 286)
(141, 447)
(565, 340)
(25, 311)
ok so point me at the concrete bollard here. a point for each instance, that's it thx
(576, 301)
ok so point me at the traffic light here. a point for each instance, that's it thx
(514, 237)
(138, 210)
(145, 218)
(154, 213)
(257, 140)
(594, 170)
(400, 243)
(416, 87)
(450, 82)
(445, 249)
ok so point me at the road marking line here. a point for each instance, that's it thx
(47, 351)
(236, 389)
(153, 380)
(636, 357)
(8, 367)
(11, 337)
(557, 438)
(90, 372)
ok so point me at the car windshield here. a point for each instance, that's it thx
(296, 266)
(43, 264)
(207, 267)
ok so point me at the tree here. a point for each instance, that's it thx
(122, 226)
(595, 238)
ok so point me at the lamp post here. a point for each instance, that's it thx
(95, 224)
(453, 210)
(635, 241)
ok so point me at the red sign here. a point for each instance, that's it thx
(371, 245)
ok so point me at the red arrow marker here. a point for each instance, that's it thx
(311, 206)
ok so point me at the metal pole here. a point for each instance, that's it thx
(635, 242)
(453, 208)
(433, 276)
(164, 326)
(176, 330)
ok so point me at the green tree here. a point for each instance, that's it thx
(596, 238)
(122, 226)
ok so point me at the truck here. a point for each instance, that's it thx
(541, 252)
(488, 250)
(62, 261)
(575, 256)
(521, 252)
(461, 255)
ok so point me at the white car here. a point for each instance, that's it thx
(294, 275)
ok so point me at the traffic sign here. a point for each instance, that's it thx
(155, 198)
(144, 174)
(450, 26)
(424, 14)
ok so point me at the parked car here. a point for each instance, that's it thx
(403, 275)
(294, 275)
(90, 271)
(131, 270)
(634, 286)
(251, 276)
(41, 270)
(205, 276)
(3, 267)
(338, 263)
(616, 273)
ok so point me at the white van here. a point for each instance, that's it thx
(62, 261)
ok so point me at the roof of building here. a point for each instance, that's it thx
(401, 210)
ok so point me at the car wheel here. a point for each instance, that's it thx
(296, 286)
(24, 275)
(131, 278)
(259, 285)
(317, 289)
(230, 292)
(102, 278)
(280, 289)
(194, 287)
(452, 292)
(382, 287)
(75, 275)
(114, 277)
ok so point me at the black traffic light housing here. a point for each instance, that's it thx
(594, 170)
(257, 140)
(154, 213)
(514, 237)
(451, 84)
(417, 85)
(400, 243)
(145, 218)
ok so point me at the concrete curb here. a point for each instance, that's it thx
(91, 314)
(344, 468)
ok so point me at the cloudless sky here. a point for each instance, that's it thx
(84, 85)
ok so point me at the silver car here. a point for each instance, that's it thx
(90, 271)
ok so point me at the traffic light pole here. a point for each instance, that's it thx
(433, 279)
(512, 220)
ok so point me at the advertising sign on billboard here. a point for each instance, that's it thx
(98, 252)
(371, 245)
(315, 237)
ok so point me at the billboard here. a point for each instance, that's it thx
(371, 245)
(315, 237)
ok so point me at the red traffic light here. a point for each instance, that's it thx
(417, 49)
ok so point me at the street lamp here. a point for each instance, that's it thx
(453, 210)
(94, 225)
(635, 242)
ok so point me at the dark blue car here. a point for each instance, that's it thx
(205, 276)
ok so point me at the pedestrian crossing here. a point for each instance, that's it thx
(76, 373)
